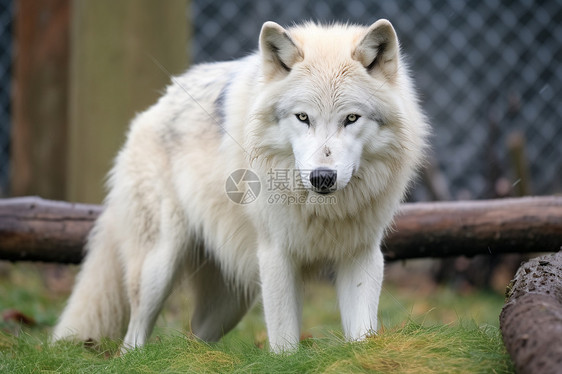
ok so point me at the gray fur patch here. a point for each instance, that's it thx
(220, 110)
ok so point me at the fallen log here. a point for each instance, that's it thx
(34, 229)
(531, 319)
(469, 228)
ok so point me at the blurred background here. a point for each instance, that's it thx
(73, 73)
(489, 76)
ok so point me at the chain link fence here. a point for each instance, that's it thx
(6, 12)
(484, 70)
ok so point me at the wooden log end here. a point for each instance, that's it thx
(531, 320)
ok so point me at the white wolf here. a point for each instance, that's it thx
(333, 103)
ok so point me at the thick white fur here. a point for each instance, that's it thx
(167, 212)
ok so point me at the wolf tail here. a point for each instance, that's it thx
(98, 306)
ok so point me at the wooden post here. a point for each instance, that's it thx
(516, 147)
(114, 75)
(40, 97)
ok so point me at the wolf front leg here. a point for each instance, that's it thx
(281, 286)
(359, 283)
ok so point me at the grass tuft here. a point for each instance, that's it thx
(432, 333)
(409, 349)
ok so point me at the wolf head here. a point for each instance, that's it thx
(337, 102)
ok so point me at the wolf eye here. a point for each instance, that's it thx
(352, 118)
(303, 117)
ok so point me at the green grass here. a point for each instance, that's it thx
(436, 331)
(408, 349)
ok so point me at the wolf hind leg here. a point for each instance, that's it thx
(149, 283)
(218, 306)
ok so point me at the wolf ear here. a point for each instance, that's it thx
(279, 52)
(378, 50)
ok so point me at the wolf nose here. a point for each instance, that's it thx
(323, 179)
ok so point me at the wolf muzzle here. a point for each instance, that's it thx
(323, 180)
